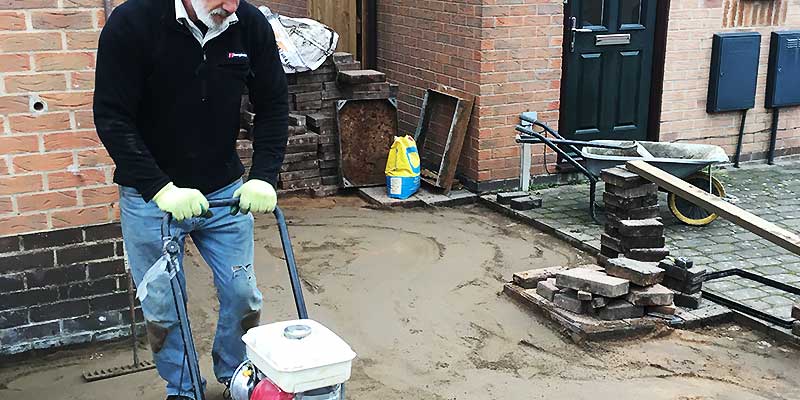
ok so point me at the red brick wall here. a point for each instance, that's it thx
(506, 53)
(520, 71)
(54, 173)
(692, 25)
(424, 44)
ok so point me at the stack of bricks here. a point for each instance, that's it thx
(312, 155)
(324, 125)
(633, 228)
(685, 279)
(300, 169)
(796, 316)
(625, 289)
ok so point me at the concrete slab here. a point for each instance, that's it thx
(583, 327)
(593, 282)
(377, 196)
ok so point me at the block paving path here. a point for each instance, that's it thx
(771, 192)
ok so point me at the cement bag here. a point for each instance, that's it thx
(402, 168)
(304, 44)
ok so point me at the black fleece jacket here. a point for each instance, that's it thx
(167, 109)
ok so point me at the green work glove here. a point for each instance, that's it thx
(181, 203)
(256, 196)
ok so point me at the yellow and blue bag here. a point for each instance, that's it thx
(403, 168)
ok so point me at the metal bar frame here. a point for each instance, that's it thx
(462, 113)
(172, 248)
(737, 306)
(549, 143)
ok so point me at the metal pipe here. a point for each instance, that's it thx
(741, 137)
(288, 253)
(774, 137)
(533, 140)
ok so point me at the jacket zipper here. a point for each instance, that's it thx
(204, 81)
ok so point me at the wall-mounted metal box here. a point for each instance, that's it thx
(734, 71)
(783, 79)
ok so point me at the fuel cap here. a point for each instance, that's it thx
(296, 332)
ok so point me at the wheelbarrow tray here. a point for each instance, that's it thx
(679, 159)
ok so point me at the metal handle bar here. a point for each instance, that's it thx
(528, 139)
(288, 251)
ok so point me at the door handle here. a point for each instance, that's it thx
(575, 31)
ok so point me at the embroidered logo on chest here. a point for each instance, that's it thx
(236, 55)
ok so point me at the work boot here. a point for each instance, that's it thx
(174, 397)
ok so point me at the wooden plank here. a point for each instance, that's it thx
(759, 226)
(341, 16)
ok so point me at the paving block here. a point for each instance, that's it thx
(611, 244)
(642, 242)
(297, 120)
(627, 203)
(593, 267)
(691, 276)
(687, 287)
(526, 203)
(633, 213)
(620, 309)
(569, 303)
(593, 282)
(529, 279)
(600, 302)
(547, 288)
(655, 295)
(648, 255)
(687, 300)
(669, 309)
(638, 272)
(796, 311)
(360, 76)
(584, 296)
(342, 57)
(622, 178)
(641, 227)
(637, 191)
(610, 252)
(684, 262)
(505, 198)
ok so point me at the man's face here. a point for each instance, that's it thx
(213, 12)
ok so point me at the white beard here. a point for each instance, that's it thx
(205, 16)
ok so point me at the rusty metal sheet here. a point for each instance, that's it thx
(366, 132)
(440, 135)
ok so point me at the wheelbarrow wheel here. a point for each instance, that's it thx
(689, 213)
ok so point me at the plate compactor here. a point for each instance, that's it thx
(289, 360)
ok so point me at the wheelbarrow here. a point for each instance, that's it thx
(690, 162)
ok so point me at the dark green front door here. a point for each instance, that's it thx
(609, 62)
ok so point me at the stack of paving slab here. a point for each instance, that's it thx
(796, 316)
(625, 289)
(520, 201)
(633, 228)
(300, 169)
(685, 279)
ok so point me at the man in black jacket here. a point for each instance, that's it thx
(169, 80)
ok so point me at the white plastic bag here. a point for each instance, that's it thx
(304, 44)
(155, 292)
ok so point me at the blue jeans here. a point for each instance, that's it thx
(226, 244)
